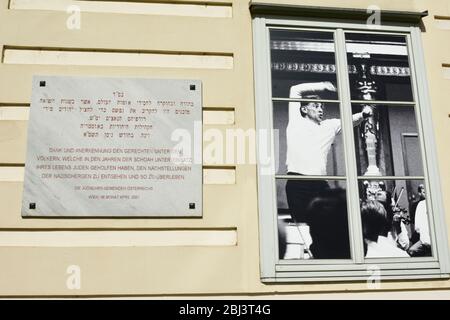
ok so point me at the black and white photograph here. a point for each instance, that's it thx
(311, 177)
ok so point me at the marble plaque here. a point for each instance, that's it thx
(114, 147)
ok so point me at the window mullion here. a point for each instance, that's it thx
(349, 147)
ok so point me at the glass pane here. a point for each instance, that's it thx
(303, 64)
(312, 219)
(378, 67)
(387, 143)
(308, 138)
(394, 218)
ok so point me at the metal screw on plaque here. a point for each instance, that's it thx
(192, 87)
(191, 205)
(41, 83)
(32, 205)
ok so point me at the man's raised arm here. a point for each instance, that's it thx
(366, 112)
(303, 91)
(300, 90)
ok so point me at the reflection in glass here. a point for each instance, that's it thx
(312, 219)
(302, 57)
(378, 67)
(394, 219)
(388, 143)
(308, 146)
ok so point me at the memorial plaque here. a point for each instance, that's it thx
(114, 147)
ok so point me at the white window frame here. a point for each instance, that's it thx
(358, 268)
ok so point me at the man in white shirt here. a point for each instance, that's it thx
(421, 248)
(309, 139)
(374, 223)
(383, 248)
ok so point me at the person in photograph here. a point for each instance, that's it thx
(412, 211)
(328, 223)
(422, 248)
(309, 138)
(375, 225)
(396, 228)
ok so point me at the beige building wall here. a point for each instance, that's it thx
(217, 254)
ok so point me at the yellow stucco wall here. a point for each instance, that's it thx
(40, 270)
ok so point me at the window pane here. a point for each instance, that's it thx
(303, 63)
(312, 219)
(394, 218)
(387, 143)
(378, 67)
(308, 139)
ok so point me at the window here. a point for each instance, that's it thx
(352, 182)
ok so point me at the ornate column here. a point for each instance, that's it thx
(366, 89)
